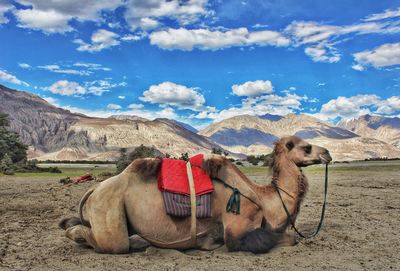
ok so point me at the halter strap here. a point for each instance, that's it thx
(322, 212)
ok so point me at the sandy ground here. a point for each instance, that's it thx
(361, 230)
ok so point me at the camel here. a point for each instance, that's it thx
(126, 212)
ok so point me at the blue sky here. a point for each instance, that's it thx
(201, 61)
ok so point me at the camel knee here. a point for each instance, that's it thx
(81, 234)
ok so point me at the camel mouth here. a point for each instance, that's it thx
(325, 159)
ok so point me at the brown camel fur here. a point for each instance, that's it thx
(126, 212)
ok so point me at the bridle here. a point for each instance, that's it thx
(233, 204)
(290, 219)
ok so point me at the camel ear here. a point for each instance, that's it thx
(146, 166)
(213, 165)
(290, 145)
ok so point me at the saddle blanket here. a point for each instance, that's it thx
(174, 185)
(179, 205)
(173, 176)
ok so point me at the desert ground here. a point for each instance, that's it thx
(360, 231)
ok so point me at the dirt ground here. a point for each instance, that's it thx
(361, 229)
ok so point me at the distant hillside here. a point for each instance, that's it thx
(384, 128)
(58, 134)
(255, 135)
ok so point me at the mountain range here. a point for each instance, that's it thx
(58, 134)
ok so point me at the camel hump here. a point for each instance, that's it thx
(212, 164)
(145, 166)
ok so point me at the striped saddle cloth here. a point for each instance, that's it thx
(174, 186)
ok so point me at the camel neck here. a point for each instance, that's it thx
(287, 176)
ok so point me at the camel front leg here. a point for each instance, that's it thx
(257, 241)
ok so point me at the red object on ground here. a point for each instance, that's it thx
(173, 176)
(83, 178)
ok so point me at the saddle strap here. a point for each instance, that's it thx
(193, 224)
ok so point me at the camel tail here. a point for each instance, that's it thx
(81, 203)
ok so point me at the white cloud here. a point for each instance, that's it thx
(253, 88)
(357, 67)
(67, 88)
(257, 106)
(168, 93)
(24, 65)
(185, 39)
(167, 112)
(100, 40)
(91, 66)
(389, 106)
(114, 106)
(323, 53)
(135, 106)
(389, 13)
(148, 23)
(71, 88)
(354, 106)
(121, 97)
(51, 100)
(58, 69)
(49, 21)
(5, 7)
(321, 39)
(385, 55)
(98, 87)
(132, 37)
(139, 13)
(54, 16)
(7, 77)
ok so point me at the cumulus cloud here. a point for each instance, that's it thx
(67, 88)
(54, 16)
(185, 39)
(24, 65)
(168, 93)
(5, 7)
(323, 53)
(257, 106)
(71, 88)
(7, 77)
(253, 88)
(121, 97)
(135, 106)
(144, 14)
(385, 55)
(355, 106)
(114, 106)
(100, 40)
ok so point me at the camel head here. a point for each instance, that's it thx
(301, 152)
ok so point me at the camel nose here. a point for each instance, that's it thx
(327, 156)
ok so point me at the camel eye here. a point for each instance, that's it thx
(307, 149)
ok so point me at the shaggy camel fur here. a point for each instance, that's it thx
(126, 212)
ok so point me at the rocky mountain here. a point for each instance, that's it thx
(256, 135)
(385, 128)
(58, 134)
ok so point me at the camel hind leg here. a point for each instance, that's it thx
(109, 224)
(82, 235)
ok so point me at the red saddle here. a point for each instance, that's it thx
(173, 176)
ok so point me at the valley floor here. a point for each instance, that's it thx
(360, 231)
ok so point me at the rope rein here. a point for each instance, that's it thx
(233, 204)
(322, 212)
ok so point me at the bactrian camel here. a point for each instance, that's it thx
(126, 212)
